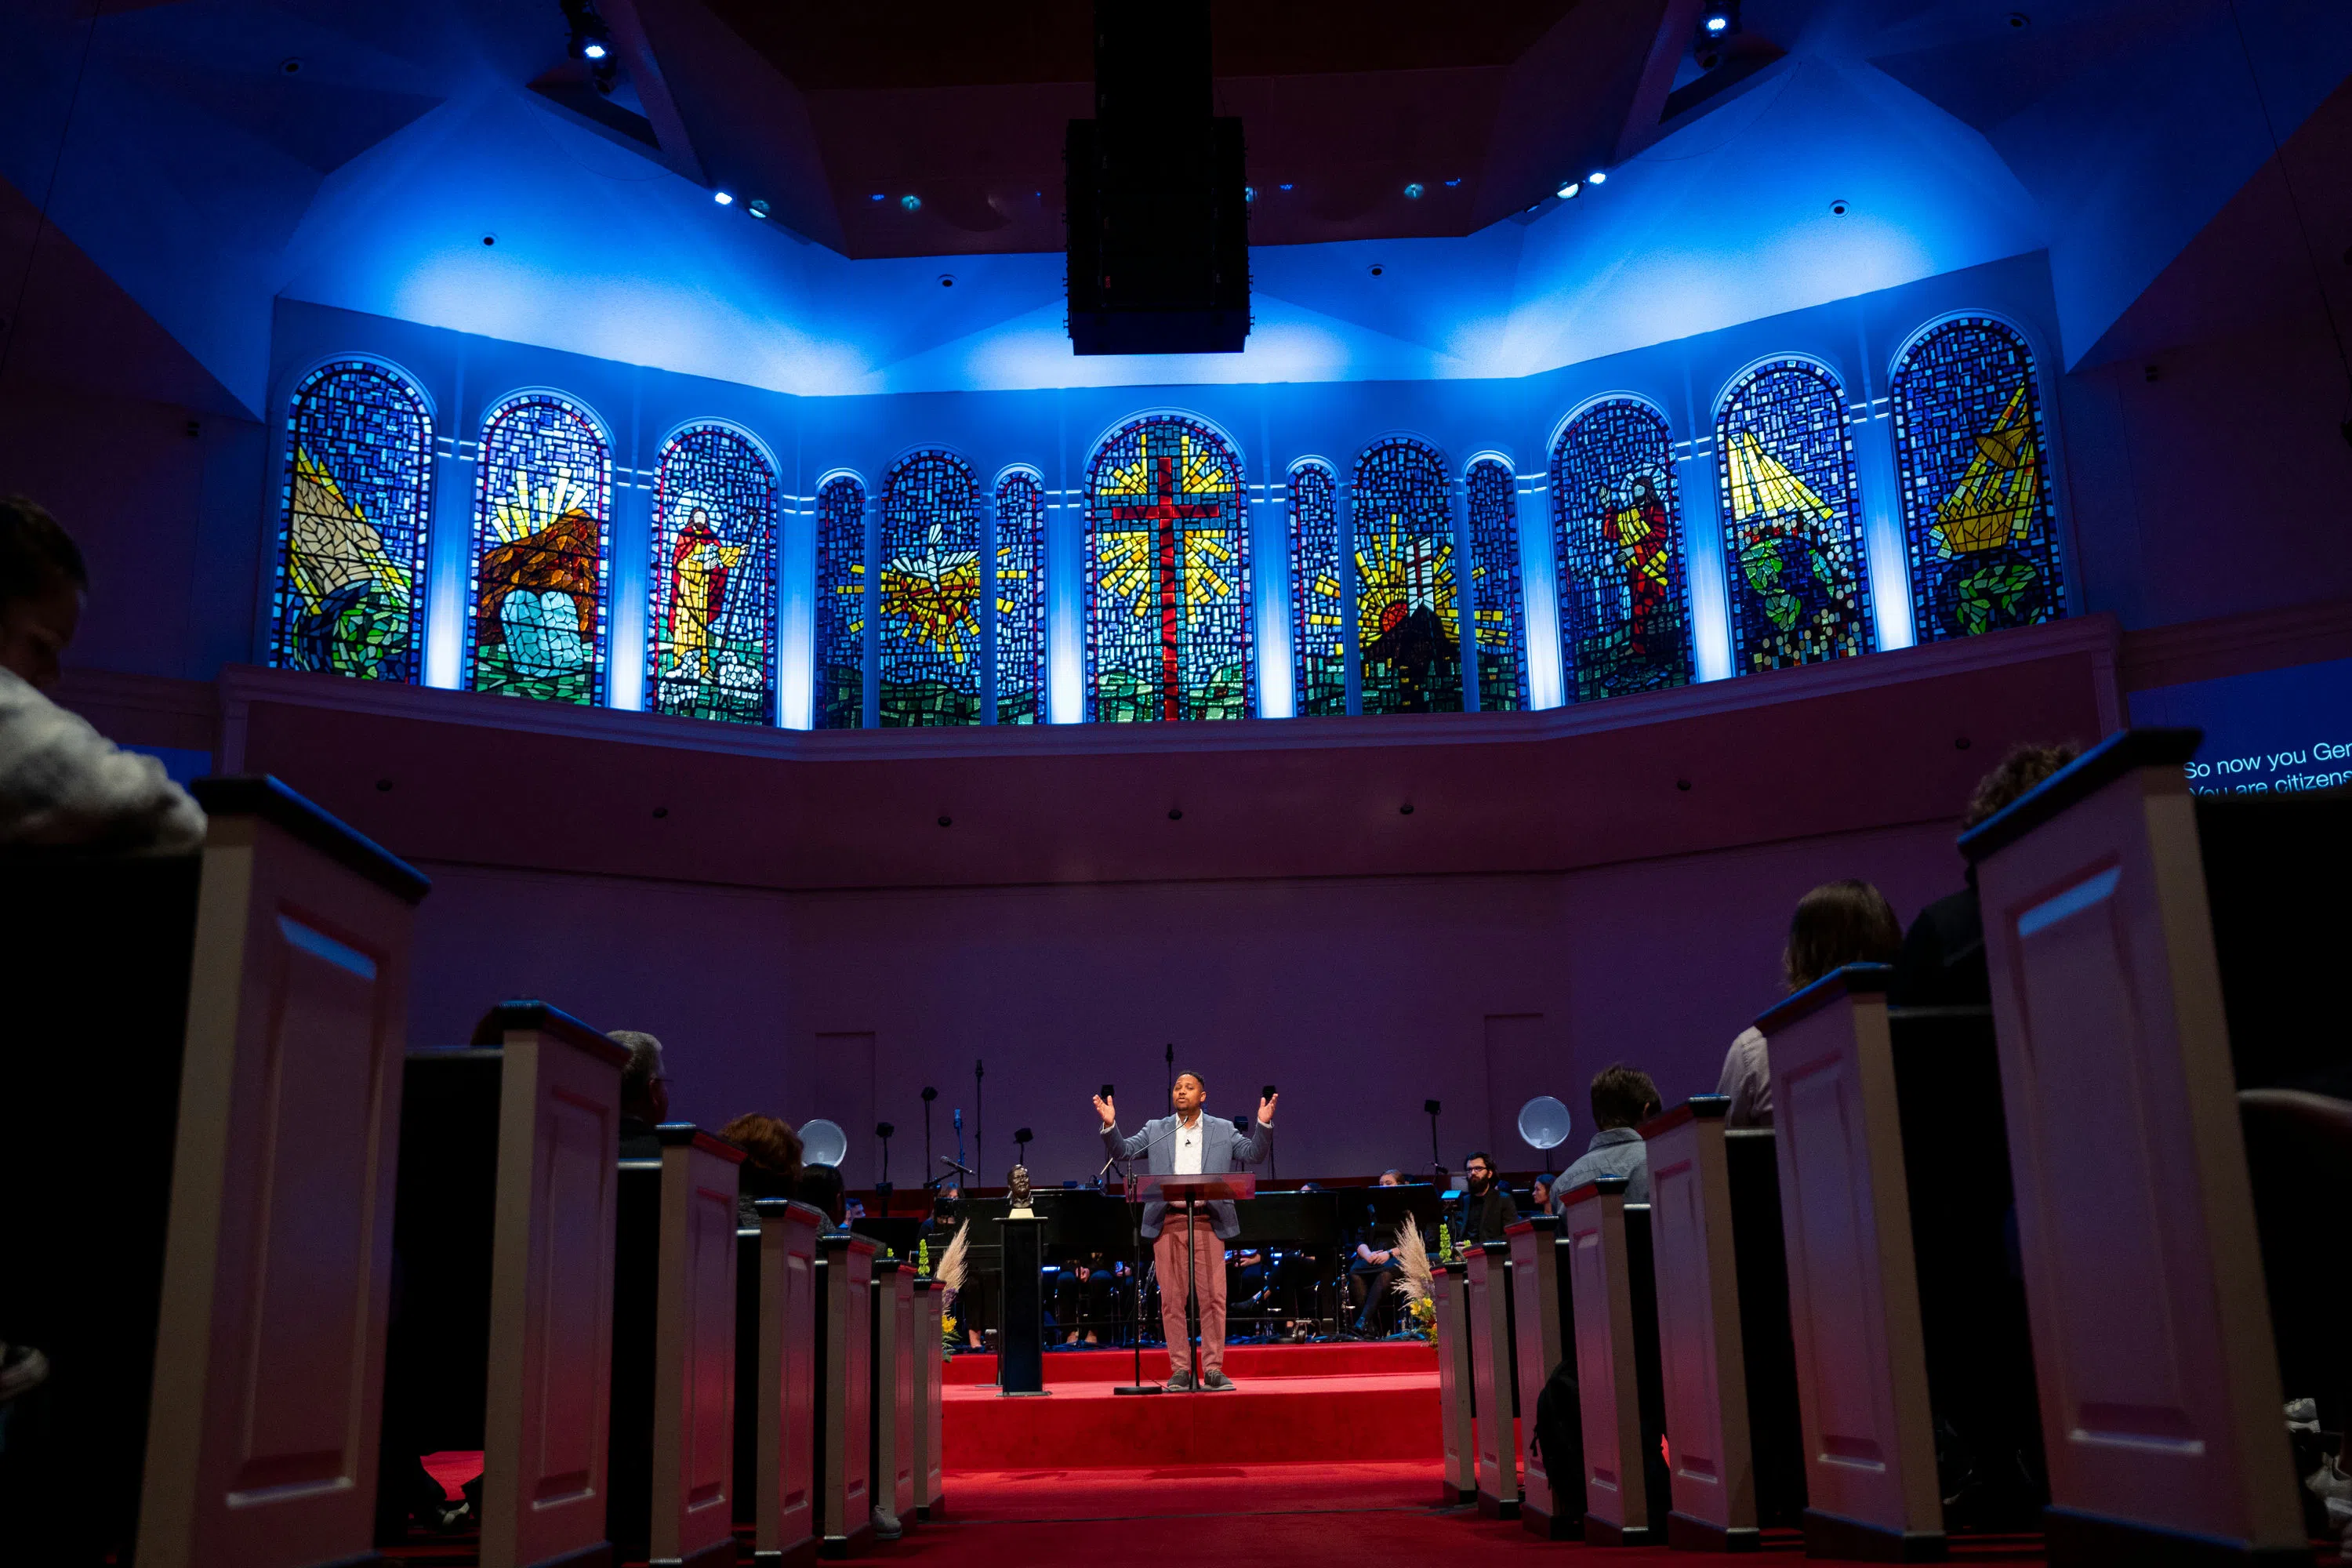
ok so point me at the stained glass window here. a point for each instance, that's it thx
(840, 603)
(1408, 619)
(1617, 518)
(1978, 514)
(1499, 614)
(1791, 527)
(929, 592)
(350, 547)
(542, 551)
(710, 649)
(1318, 622)
(1168, 576)
(1020, 598)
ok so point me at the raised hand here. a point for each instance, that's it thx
(1266, 1110)
(1104, 1109)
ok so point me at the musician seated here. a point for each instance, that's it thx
(1486, 1209)
(1083, 1297)
(1374, 1268)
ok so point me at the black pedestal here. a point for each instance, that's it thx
(1021, 1352)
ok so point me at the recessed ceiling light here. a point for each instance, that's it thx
(758, 209)
(880, 197)
(1454, 182)
(1412, 191)
(1598, 177)
(724, 199)
(594, 49)
(911, 202)
(1568, 192)
(947, 280)
(1285, 187)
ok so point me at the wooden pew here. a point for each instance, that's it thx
(216, 1365)
(1456, 1383)
(1727, 1362)
(775, 1383)
(1618, 1390)
(931, 1366)
(528, 1116)
(1494, 1381)
(673, 1418)
(2153, 1333)
(1543, 1322)
(891, 1462)
(844, 1407)
(1853, 1287)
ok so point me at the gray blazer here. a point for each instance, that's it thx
(1222, 1150)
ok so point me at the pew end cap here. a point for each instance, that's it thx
(269, 797)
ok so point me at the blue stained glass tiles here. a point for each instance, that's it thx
(352, 523)
(1979, 521)
(1317, 596)
(1498, 613)
(1020, 598)
(710, 647)
(840, 695)
(1617, 518)
(541, 552)
(1792, 525)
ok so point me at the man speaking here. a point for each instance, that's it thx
(1190, 1143)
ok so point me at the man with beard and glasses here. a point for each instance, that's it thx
(1486, 1208)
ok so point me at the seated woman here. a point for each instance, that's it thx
(771, 1162)
(1836, 924)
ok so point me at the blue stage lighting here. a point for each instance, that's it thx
(1249, 192)
(1569, 192)
(1412, 191)
(879, 196)
(758, 209)
(913, 203)
(1285, 187)
(724, 199)
(1717, 24)
(593, 49)
(1598, 177)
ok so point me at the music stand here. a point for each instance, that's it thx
(1234, 1185)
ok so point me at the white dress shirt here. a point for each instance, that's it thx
(1187, 1147)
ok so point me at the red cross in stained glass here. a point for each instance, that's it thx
(1163, 514)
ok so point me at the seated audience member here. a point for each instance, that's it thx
(1942, 960)
(1374, 1268)
(1486, 1207)
(1622, 1098)
(60, 780)
(645, 1094)
(820, 1187)
(853, 1208)
(1539, 1195)
(1836, 924)
(771, 1162)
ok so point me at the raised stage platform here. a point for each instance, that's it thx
(1330, 1404)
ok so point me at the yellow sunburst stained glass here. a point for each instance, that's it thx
(1408, 614)
(927, 592)
(1168, 575)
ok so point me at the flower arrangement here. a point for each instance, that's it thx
(1445, 1251)
(1416, 1280)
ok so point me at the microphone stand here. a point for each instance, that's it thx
(1135, 1230)
(979, 1113)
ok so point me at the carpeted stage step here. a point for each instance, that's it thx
(1293, 1404)
(1356, 1359)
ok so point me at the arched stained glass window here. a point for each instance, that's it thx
(1408, 614)
(1168, 576)
(1498, 613)
(351, 541)
(1617, 516)
(1977, 516)
(1020, 598)
(840, 604)
(542, 551)
(1791, 528)
(928, 594)
(710, 649)
(1317, 621)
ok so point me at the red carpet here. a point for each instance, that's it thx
(1242, 1363)
(1333, 1404)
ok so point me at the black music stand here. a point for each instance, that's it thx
(1194, 1190)
(1135, 1232)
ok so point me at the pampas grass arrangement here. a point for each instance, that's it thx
(1414, 1280)
(953, 1261)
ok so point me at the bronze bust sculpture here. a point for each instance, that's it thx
(1017, 1185)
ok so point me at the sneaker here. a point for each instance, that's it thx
(1179, 1382)
(887, 1526)
(1216, 1382)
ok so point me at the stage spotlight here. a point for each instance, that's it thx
(1598, 177)
(1719, 20)
(1568, 192)
(913, 203)
(758, 209)
(1717, 23)
(724, 199)
(1412, 191)
(591, 40)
